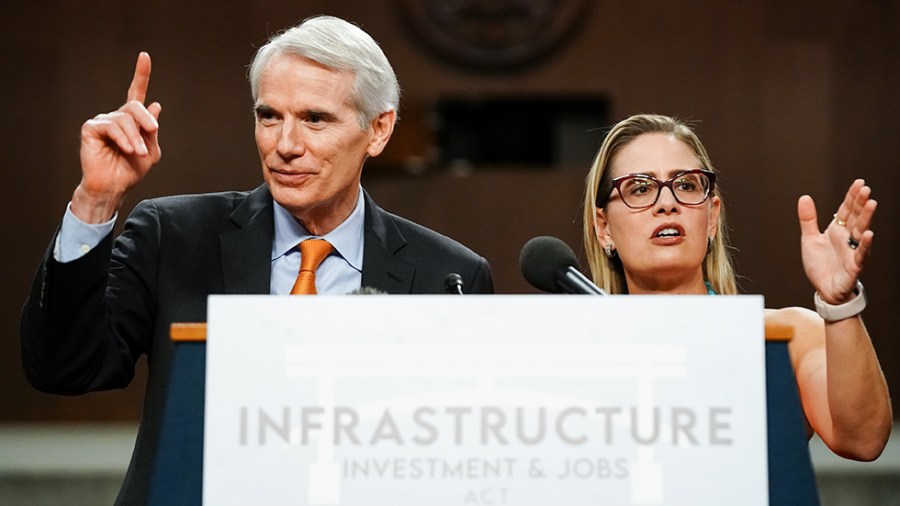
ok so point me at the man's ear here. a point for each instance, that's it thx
(381, 128)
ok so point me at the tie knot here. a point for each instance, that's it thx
(313, 252)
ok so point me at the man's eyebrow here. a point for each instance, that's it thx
(321, 114)
(260, 109)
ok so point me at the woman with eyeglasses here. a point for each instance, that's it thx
(654, 223)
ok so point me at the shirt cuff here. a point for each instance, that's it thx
(76, 237)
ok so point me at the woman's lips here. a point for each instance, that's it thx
(668, 234)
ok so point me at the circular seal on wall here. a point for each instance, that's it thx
(493, 33)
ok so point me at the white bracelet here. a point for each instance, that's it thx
(852, 307)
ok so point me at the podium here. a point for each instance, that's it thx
(177, 476)
(791, 477)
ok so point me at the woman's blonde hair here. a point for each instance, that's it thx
(608, 273)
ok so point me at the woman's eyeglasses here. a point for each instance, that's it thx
(640, 191)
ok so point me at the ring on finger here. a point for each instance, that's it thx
(840, 222)
(852, 242)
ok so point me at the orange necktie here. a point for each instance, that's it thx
(312, 252)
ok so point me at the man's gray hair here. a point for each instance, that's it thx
(343, 46)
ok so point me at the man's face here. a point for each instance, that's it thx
(309, 140)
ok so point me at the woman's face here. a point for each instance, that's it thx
(663, 245)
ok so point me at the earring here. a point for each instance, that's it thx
(609, 251)
(709, 244)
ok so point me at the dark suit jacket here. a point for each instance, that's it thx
(87, 322)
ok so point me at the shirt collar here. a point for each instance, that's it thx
(347, 238)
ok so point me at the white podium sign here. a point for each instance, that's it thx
(503, 399)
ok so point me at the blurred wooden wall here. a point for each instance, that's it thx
(790, 98)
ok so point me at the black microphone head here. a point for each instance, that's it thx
(540, 260)
(453, 284)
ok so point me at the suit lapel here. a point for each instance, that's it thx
(381, 267)
(247, 248)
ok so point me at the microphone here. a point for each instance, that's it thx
(453, 284)
(550, 265)
(367, 290)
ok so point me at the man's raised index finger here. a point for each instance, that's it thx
(141, 80)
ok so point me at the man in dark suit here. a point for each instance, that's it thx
(325, 100)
